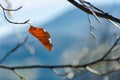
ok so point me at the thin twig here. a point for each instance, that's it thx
(11, 9)
(109, 51)
(91, 9)
(18, 74)
(13, 50)
(104, 56)
(91, 27)
(114, 24)
(4, 9)
(94, 7)
(12, 21)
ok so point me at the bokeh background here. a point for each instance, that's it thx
(70, 35)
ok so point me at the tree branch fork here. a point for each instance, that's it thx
(97, 11)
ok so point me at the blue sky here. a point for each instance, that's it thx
(47, 10)
(41, 11)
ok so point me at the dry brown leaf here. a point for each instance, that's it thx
(42, 35)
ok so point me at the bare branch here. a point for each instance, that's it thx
(109, 51)
(4, 9)
(18, 74)
(13, 50)
(39, 66)
(103, 58)
(11, 9)
(94, 7)
(12, 21)
(90, 7)
(64, 66)
(103, 15)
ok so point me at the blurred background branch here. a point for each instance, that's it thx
(13, 50)
(85, 66)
